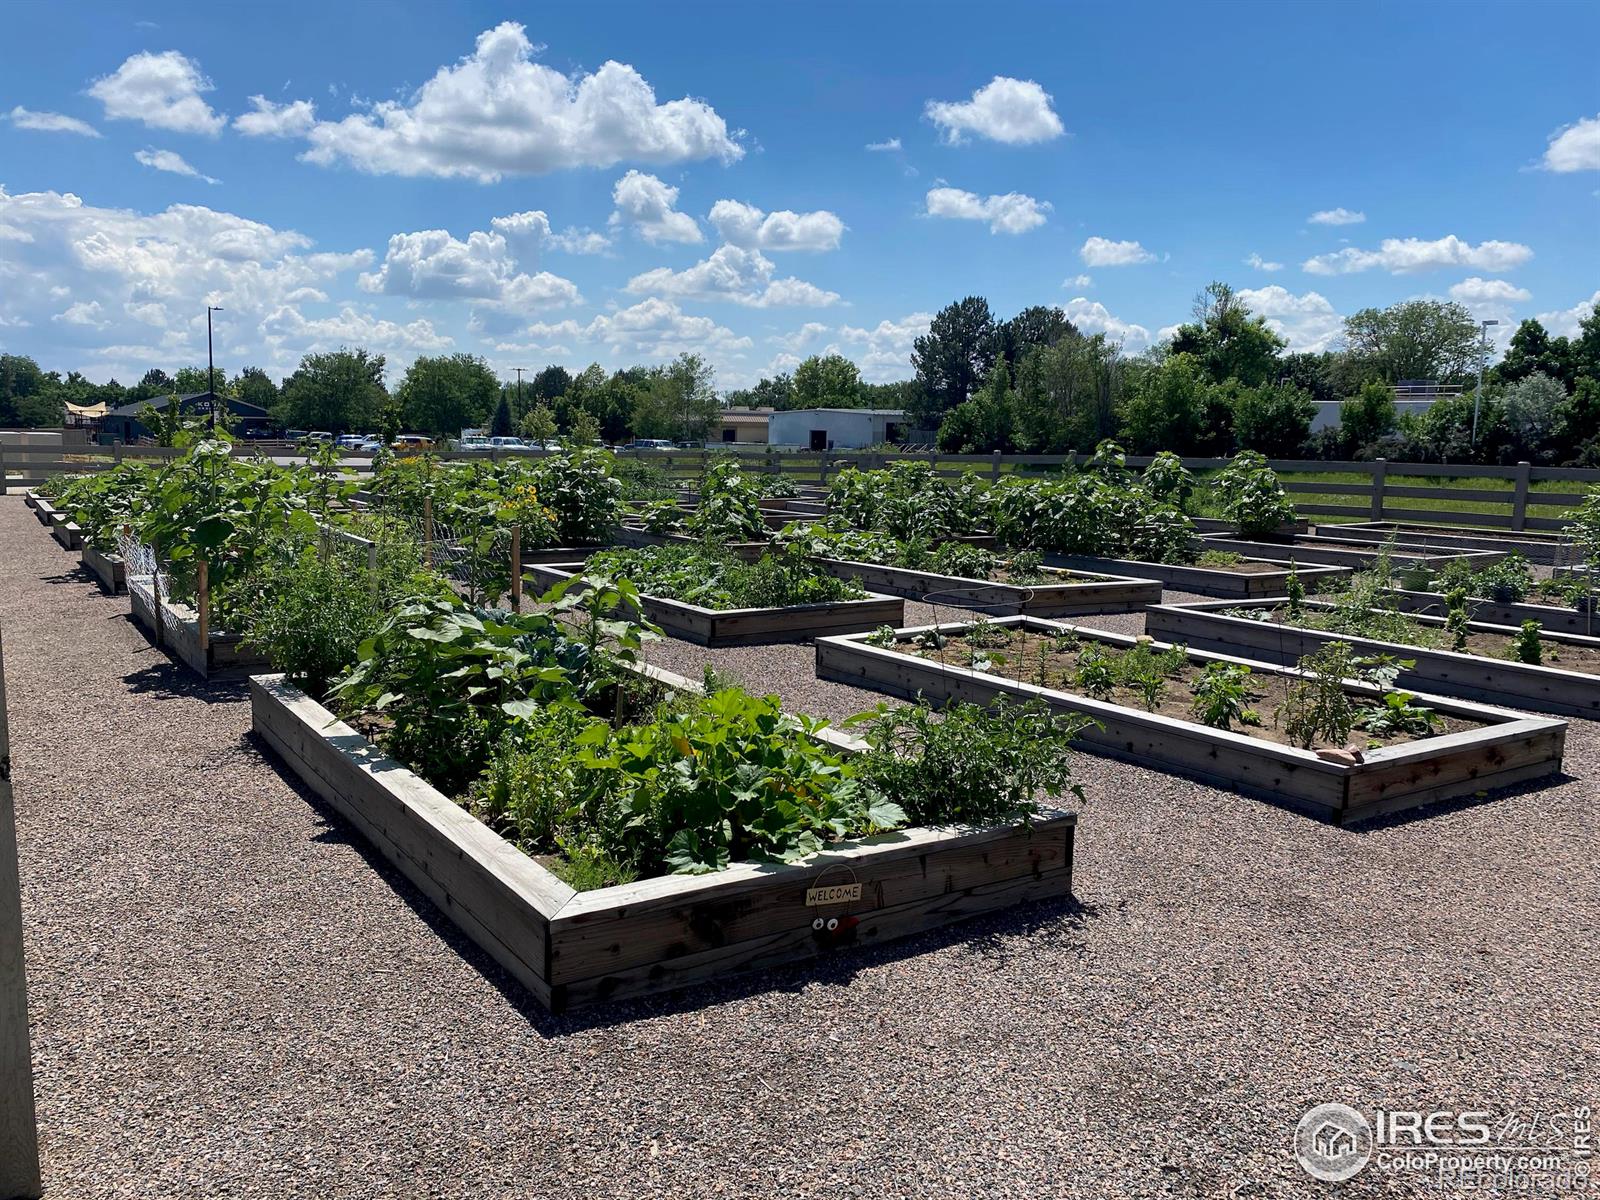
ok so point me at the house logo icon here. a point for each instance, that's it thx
(1333, 1142)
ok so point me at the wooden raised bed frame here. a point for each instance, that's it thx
(1208, 581)
(1535, 545)
(1489, 680)
(222, 656)
(570, 948)
(1512, 748)
(108, 569)
(65, 530)
(1308, 548)
(1554, 617)
(746, 626)
(1110, 594)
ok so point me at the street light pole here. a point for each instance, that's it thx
(211, 367)
(519, 371)
(1483, 357)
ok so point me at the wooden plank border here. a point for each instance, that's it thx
(1497, 681)
(577, 948)
(1073, 595)
(108, 569)
(1536, 547)
(1511, 748)
(746, 626)
(1327, 551)
(1210, 581)
(177, 630)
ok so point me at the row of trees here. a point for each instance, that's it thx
(1225, 382)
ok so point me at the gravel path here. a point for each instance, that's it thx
(232, 999)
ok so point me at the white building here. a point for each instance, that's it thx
(836, 428)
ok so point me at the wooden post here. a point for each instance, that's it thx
(372, 569)
(202, 604)
(19, 1131)
(2, 468)
(116, 453)
(427, 530)
(1380, 472)
(1519, 498)
(516, 568)
(155, 599)
(994, 467)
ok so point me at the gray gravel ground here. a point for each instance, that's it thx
(231, 998)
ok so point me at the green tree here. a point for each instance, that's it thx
(1367, 416)
(255, 386)
(447, 394)
(1274, 419)
(585, 430)
(500, 426)
(985, 422)
(776, 393)
(1416, 339)
(1227, 341)
(1318, 374)
(1067, 393)
(1534, 408)
(1169, 409)
(539, 425)
(190, 380)
(827, 381)
(1035, 326)
(678, 401)
(340, 391)
(1584, 349)
(25, 397)
(154, 382)
(953, 357)
(1533, 351)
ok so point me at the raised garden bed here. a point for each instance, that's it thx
(65, 530)
(1308, 548)
(1556, 618)
(177, 630)
(42, 509)
(1065, 593)
(1286, 529)
(1535, 546)
(1246, 579)
(746, 626)
(1482, 747)
(1493, 679)
(635, 536)
(569, 948)
(107, 568)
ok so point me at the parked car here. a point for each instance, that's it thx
(508, 443)
(370, 445)
(412, 443)
(649, 444)
(349, 441)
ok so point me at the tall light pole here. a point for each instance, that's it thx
(519, 371)
(211, 367)
(1483, 357)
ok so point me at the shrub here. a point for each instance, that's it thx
(1249, 495)
(1525, 644)
(968, 765)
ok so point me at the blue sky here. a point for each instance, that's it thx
(428, 178)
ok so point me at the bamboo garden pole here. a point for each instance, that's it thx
(516, 568)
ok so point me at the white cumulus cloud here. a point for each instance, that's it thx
(1575, 147)
(1400, 256)
(172, 162)
(497, 112)
(658, 328)
(886, 146)
(1010, 213)
(161, 90)
(1090, 316)
(1564, 322)
(883, 352)
(1307, 322)
(294, 119)
(1103, 252)
(1013, 111)
(51, 122)
(648, 206)
(1255, 260)
(1337, 216)
(735, 275)
(1477, 290)
(746, 225)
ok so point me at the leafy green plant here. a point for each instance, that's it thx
(1218, 558)
(1585, 527)
(1168, 480)
(1222, 696)
(1248, 493)
(1456, 621)
(1295, 592)
(1026, 569)
(883, 636)
(1316, 705)
(1525, 644)
(714, 578)
(1096, 673)
(964, 764)
(985, 634)
(1396, 715)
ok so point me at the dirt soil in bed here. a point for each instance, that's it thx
(1048, 662)
(231, 995)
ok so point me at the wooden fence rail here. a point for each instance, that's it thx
(1515, 497)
